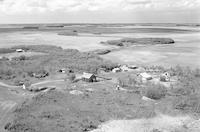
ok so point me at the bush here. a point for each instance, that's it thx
(197, 72)
(71, 77)
(7, 73)
(155, 91)
(20, 58)
(188, 103)
(20, 81)
(181, 91)
(4, 58)
(128, 81)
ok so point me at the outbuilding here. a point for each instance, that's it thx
(145, 76)
(132, 67)
(124, 68)
(116, 70)
(19, 50)
(88, 77)
(64, 70)
(165, 77)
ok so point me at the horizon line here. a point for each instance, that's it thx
(100, 23)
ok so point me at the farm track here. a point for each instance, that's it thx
(35, 84)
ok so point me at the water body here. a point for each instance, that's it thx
(185, 52)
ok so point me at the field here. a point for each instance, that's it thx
(119, 101)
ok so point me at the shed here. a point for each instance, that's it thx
(19, 50)
(116, 70)
(145, 76)
(62, 70)
(132, 67)
(124, 68)
(88, 77)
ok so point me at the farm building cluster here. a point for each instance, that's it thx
(145, 74)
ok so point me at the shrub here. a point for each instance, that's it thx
(197, 72)
(188, 103)
(20, 58)
(155, 91)
(4, 58)
(128, 81)
(7, 73)
(20, 81)
(181, 91)
(71, 77)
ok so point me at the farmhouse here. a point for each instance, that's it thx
(88, 77)
(165, 77)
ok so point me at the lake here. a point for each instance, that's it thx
(185, 52)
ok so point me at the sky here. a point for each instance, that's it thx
(99, 11)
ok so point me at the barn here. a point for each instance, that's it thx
(88, 77)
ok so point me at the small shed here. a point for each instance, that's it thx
(63, 70)
(132, 67)
(19, 50)
(88, 77)
(124, 68)
(116, 70)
